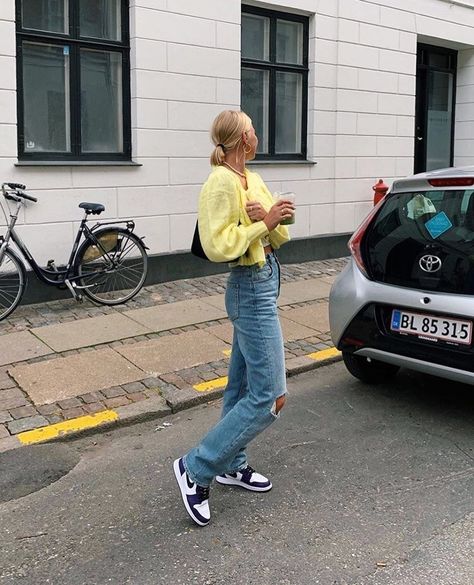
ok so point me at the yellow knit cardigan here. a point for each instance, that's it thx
(226, 231)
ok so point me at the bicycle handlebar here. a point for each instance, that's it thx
(19, 191)
(16, 186)
(29, 197)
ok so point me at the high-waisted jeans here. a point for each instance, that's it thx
(256, 372)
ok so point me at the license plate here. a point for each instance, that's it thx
(431, 327)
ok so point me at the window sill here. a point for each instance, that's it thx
(282, 162)
(77, 163)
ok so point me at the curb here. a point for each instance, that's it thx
(152, 408)
(170, 402)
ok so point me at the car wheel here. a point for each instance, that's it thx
(368, 370)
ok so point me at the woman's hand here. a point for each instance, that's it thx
(255, 210)
(282, 209)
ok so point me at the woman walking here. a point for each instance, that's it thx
(239, 222)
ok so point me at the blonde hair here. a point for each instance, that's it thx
(226, 133)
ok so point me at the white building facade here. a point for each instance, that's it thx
(111, 101)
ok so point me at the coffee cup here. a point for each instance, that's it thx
(288, 196)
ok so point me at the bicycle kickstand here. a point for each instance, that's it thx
(72, 289)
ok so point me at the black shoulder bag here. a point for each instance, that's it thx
(197, 249)
(196, 246)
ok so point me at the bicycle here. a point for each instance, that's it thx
(108, 263)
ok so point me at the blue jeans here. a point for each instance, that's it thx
(256, 373)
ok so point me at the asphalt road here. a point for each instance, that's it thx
(372, 486)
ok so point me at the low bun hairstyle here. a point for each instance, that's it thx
(226, 133)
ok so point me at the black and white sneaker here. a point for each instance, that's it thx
(246, 478)
(195, 497)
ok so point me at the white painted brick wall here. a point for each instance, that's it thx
(194, 60)
(348, 77)
(407, 84)
(403, 167)
(360, 11)
(181, 231)
(346, 167)
(376, 125)
(185, 63)
(328, 27)
(346, 123)
(356, 101)
(149, 54)
(172, 86)
(227, 36)
(379, 36)
(156, 231)
(7, 37)
(171, 143)
(385, 81)
(148, 113)
(184, 171)
(7, 11)
(349, 30)
(398, 19)
(228, 92)
(63, 205)
(464, 125)
(48, 240)
(7, 106)
(301, 227)
(321, 219)
(354, 55)
(397, 61)
(211, 9)
(165, 200)
(376, 167)
(8, 141)
(403, 105)
(8, 72)
(174, 28)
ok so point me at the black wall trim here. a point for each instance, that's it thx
(167, 267)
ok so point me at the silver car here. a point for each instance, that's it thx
(406, 297)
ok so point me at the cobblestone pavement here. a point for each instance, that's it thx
(28, 316)
(19, 414)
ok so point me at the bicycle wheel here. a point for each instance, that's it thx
(12, 283)
(113, 269)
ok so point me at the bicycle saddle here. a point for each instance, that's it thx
(94, 208)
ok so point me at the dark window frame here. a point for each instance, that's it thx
(272, 66)
(76, 43)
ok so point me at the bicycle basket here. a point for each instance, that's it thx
(106, 243)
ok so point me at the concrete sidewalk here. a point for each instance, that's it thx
(67, 367)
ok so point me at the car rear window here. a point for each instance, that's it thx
(410, 213)
(411, 225)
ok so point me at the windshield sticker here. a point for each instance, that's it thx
(438, 224)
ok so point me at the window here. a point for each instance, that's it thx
(275, 81)
(73, 80)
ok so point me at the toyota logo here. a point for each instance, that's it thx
(430, 263)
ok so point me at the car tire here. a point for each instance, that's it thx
(368, 371)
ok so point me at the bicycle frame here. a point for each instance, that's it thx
(58, 276)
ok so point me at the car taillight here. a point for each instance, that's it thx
(455, 182)
(356, 239)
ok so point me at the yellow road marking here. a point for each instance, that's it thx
(211, 385)
(68, 426)
(324, 354)
(319, 356)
